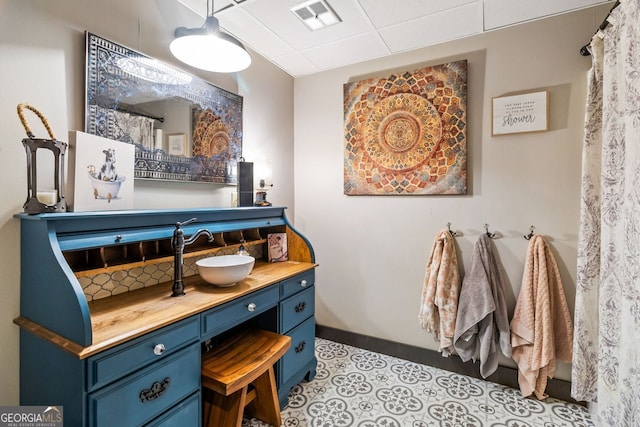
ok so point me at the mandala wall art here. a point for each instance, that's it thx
(405, 134)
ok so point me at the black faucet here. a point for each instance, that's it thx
(178, 243)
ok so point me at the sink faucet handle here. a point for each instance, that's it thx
(189, 221)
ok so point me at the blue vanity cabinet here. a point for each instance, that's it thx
(111, 365)
(139, 380)
(187, 413)
(147, 393)
(121, 385)
(133, 358)
(295, 318)
(223, 318)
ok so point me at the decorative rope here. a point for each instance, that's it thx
(25, 123)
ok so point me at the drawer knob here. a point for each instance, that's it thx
(303, 283)
(299, 308)
(159, 349)
(118, 238)
(251, 307)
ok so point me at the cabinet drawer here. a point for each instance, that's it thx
(144, 395)
(297, 283)
(221, 318)
(112, 364)
(302, 349)
(296, 309)
(185, 414)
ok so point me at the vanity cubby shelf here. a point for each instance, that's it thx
(87, 262)
(90, 356)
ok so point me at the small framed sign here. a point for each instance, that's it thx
(528, 112)
(177, 144)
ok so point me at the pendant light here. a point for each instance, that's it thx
(208, 48)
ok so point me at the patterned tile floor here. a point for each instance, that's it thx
(356, 387)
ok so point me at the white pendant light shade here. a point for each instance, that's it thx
(209, 49)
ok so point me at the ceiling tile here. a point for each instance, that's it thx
(435, 28)
(245, 27)
(276, 14)
(384, 13)
(348, 51)
(501, 13)
(296, 65)
(200, 6)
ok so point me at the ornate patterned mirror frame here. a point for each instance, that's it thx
(123, 85)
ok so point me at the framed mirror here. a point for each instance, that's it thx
(183, 127)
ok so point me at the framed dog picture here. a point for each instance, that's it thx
(101, 173)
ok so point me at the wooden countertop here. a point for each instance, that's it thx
(122, 317)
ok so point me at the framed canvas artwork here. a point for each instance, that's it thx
(405, 134)
(101, 173)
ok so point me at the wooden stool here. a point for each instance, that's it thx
(229, 370)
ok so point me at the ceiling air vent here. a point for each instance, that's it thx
(316, 14)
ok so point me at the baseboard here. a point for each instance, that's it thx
(556, 388)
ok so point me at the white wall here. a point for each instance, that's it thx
(42, 63)
(372, 250)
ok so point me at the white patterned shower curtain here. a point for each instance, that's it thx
(606, 355)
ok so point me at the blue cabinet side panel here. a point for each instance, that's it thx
(50, 294)
(50, 376)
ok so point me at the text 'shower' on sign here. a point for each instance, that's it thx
(527, 112)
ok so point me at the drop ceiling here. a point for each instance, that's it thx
(368, 29)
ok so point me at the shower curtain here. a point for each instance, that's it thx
(606, 356)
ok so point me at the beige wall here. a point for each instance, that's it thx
(372, 251)
(42, 63)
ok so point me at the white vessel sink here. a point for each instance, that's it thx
(225, 270)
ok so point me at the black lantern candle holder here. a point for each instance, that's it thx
(48, 201)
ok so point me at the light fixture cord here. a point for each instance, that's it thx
(139, 26)
(209, 13)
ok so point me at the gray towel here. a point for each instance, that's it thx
(482, 324)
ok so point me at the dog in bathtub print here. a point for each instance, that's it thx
(108, 169)
(106, 182)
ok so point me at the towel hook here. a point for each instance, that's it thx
(530, 235)
(453, 233)
(491, 235)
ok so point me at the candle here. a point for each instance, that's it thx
(48, 197)
(158, 140)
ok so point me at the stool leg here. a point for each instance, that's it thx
(226, 411)
(266, 406)
(207, 405)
